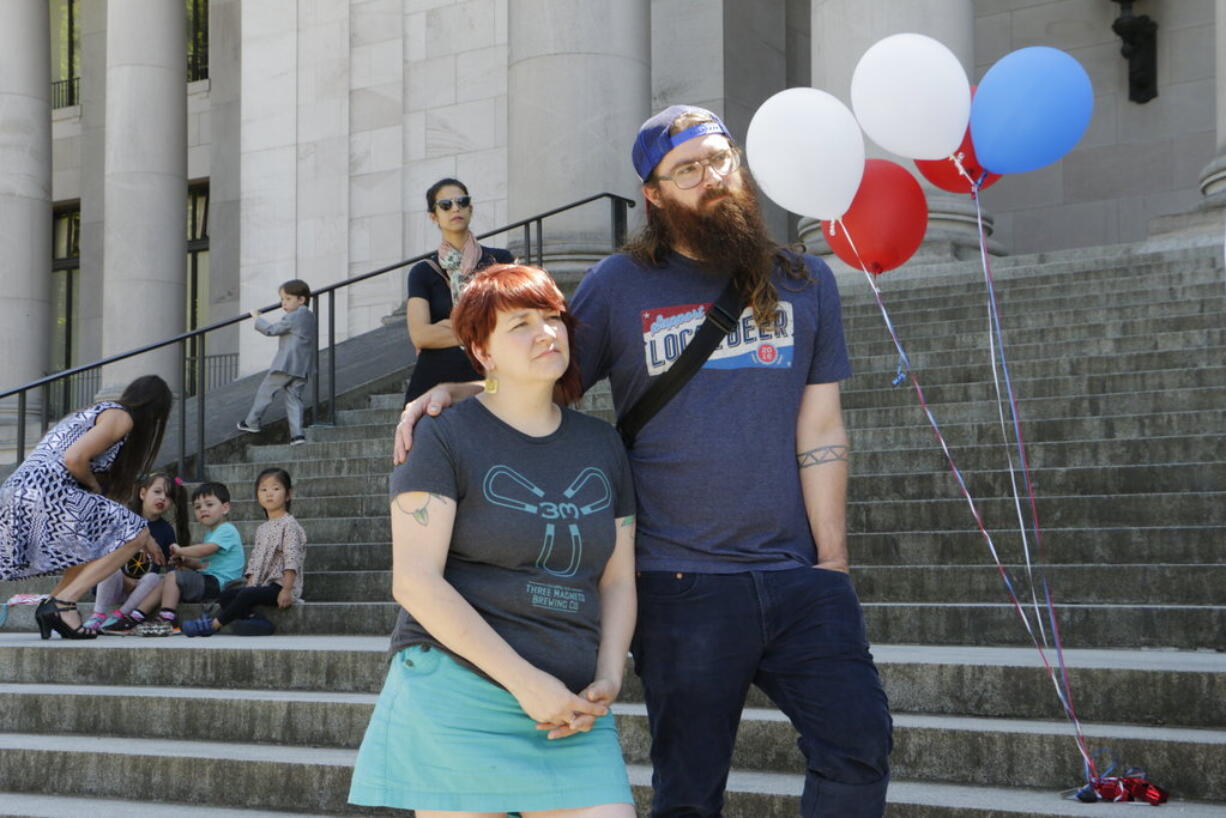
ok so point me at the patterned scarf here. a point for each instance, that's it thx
(459, 264)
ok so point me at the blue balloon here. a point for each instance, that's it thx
(1030, 109)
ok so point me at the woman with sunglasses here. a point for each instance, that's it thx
(435, 285)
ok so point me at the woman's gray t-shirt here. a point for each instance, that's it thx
(534, 529)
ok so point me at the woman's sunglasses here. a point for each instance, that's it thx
(460, 202)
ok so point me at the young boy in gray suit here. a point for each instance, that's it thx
(295, 357)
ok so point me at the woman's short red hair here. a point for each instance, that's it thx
(504, 287)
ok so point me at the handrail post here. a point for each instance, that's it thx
(540, 244)
(618, 214)
(332, 356)
(182, 407)
(527, 244)
(315, 376)
(200, 410)
(46, 407)
(21, 427)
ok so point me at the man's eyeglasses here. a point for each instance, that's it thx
(460, 202)
(690, 174)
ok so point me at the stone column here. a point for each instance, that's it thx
(25, 192)
(841, 31)
(579, 86)
(145, 234)
(1213, 177)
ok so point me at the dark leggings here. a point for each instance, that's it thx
(237, 602)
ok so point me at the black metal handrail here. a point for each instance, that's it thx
(618, 207)
(65, 93)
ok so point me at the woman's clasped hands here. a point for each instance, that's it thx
(553, 707)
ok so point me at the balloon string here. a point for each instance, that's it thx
(956, 158)
(997, 344)
(993, 334)
(906, 372)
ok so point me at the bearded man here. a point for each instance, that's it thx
(741, 481)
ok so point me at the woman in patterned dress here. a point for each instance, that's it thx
(63, 510)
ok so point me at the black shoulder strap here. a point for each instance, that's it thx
(721, 319)
(435, 266)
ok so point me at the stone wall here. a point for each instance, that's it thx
(1136, 161)
(324, 121)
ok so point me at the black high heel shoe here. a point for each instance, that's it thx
(48, 616)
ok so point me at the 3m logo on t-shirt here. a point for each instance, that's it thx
(667, 331)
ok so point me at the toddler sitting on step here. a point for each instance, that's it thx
(274, 571)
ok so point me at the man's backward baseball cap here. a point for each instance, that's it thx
(654, 140)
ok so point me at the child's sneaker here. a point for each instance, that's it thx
(125, 626)
(170, 618)
(154, 627)
(109, 619)
(244, 426)
(201, 626)
(95, 621)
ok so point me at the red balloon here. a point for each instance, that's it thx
(944, 173)
(887, 219)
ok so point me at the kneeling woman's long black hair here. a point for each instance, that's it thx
(148, 400)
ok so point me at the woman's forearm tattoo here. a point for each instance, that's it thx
(822, 454)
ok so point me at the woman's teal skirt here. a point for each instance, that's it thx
(444, 738)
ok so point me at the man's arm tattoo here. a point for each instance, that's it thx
(421, 515)
(822, 454)
(627, 521)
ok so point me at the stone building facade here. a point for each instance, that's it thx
(304, 134)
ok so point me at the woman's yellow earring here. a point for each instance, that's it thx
(491, 385)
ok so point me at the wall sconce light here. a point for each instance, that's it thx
(1140, 36)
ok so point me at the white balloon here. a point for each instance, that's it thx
(806, 152)
(912, 96)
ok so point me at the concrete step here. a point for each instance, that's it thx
(1189, 627)
(1056, 511)
(1114, 480)
(374, 441)
(1060, 546)
(1100, 339)
(1100, 546)
(1175, 315)
(1038, 431)
(985, 482)
(973, 303)
(1146, 583)
(1111, 404)
(1184, 688)
(318, 780)
(1004, 751)
(1010, 752)
(24, 805)
(962, 367)
(898, 411)
(1054, 310)
(1193, 448)
(1063, 454)
(1161, 276)
(890, 514)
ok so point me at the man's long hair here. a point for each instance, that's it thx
(731, 238)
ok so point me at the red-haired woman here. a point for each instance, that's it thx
(512, 559)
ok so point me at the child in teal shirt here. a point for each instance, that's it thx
(204, 569)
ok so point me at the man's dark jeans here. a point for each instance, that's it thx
(798, 634)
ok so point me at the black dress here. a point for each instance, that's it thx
(448, 364)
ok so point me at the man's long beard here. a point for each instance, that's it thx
(728, 237)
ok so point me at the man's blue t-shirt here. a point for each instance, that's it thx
(715, 470)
